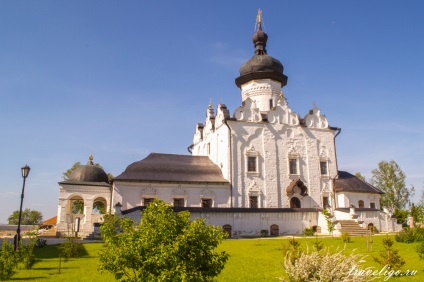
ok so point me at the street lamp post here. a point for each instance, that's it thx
(25, 171)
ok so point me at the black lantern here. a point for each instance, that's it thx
(25, 171)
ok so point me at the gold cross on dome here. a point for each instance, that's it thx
(259, 17)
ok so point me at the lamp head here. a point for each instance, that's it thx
(25, 171)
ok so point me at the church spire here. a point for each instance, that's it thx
(259, 37)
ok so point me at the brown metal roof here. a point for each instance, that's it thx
(173, 168)
(347, 182)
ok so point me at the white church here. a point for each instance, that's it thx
(261, 168)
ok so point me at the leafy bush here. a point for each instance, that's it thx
(410, 235)
(264, 233)
(26, 250)
(8, 260)
(70, 248)
(405, 236)
(165, 246)
(324, 266)
(309, 231)
(390, 256)
(345, 237)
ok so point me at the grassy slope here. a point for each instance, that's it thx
(251, 260)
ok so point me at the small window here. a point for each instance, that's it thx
(324, 168)
(253, 202)
(251, 164)
(209, 148)
(325, 202)
(293, 166)
(178, 202)
(372, 205)
(147, 201)
(271, 104)
(206, 203)
(360, 204)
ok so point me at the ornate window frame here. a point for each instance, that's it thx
(249, 154)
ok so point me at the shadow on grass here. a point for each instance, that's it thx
(52, 251)
(28, 278)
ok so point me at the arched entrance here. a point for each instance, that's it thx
(370, 227)
(227, 229)
(294, 202)
(274, 230)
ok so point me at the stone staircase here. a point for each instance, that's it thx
(49, 233)
(352, 228)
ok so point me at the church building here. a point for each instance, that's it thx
(263, 167)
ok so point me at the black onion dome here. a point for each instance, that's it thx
(261, 65)
(89, 173)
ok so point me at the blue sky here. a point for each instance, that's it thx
(121, 79)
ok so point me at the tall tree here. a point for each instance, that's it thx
(360, 176)
(166, 246)
(28, 217)
(390, 179)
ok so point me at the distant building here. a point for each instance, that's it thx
(262, 168)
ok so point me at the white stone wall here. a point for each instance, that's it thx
(131, 194)
(250, 224)
(345, 199)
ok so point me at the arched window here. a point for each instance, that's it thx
(274, 230)
(227, 229)
(99, 206)
(76, 205)
(360, 204)
(294, 203)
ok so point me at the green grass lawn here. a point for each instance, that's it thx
(251, 260)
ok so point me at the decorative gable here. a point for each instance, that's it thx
(283, 114)
(315, 119)
(222, 114)
(248, 111)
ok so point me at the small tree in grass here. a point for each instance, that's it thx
(390, 256)
(166, 246)
(8, 260)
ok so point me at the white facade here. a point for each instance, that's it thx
(277, 170)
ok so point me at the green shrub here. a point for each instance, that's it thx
(8, 260)
(345, 237)
(309, 231)
(405, 236)
(70, 248)
(264, 233)
(26, 250)
(418, 234)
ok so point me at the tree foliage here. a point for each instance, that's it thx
(360, 176)
(28, 217)
(390, 179)
(165, 246)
